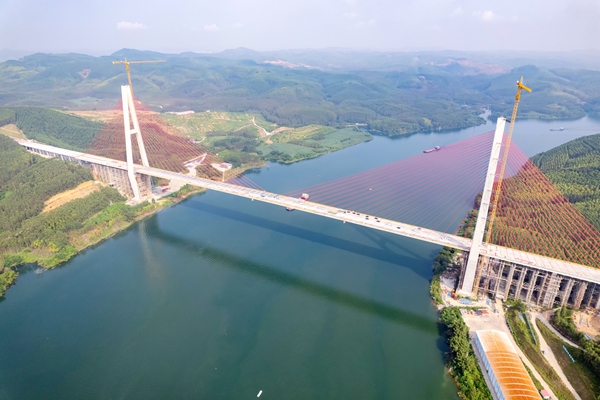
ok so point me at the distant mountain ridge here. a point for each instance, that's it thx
(393, 93)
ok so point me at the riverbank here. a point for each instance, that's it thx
(225, 288)
(481, 315)
(463, 364)
(242, 139)
(100, 227)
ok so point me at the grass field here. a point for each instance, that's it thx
(309, 142)
(586, 385)
(538, 384)
(302, 133)
(11, 130)
(237, 138)
(524, 340)
(98, 116)
(197, 125)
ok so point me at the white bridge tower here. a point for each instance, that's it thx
(129, 118)
(468, 275)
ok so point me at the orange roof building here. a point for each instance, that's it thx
(508, 376)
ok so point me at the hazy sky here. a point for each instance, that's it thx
(104, 26)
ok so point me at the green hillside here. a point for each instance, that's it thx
(49, 238)
(393, 93)
(557, 93)
(241, 138)
(51, 127)
(393, 103)
(574, 168)
(30, 235)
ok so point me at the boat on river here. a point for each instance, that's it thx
(557, 129)
(436, 148)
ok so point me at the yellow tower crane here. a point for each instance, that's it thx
(496, 193)
(134, 62)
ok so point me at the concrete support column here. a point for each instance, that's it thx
(566, 292)
(115, 177)
(551, 287)
(498, 277)
(509, 279)
(543, 275)
(581, 288)
(589, 295)
(531, 286)
(520, 283)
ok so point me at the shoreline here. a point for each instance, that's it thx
(119, 226)
(43, 259)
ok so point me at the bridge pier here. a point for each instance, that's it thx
(551, 287)
(119, 179)
(114, 176)
(565, 292)
(595, 301)
(522, 273)
(509, 279)
(581, 289)
(536, 287)
(532, 285)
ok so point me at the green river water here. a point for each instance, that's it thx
(219, 297)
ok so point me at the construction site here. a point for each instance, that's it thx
(536, 287)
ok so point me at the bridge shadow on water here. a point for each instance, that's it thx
(383, 253)
(308, 286)
(386, 243)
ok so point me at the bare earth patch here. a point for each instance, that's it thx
(11, 130)
(99, 115)
(84, 73)
(78, 193)
(587, 322)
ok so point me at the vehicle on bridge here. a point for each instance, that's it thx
(304, 197)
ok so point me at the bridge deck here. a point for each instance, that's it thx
(398, 228)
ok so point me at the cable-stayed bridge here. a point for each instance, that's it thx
(541, 273)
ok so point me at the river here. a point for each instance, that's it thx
(219, 298)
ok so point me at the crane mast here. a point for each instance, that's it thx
(511, 128)
(496, 193)
(129, 70)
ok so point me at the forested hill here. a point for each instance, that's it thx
(26, 234)
(574, 168)
(30, 235)
(391, 93)
(51, 127)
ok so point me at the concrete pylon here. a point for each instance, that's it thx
(468, 277)
(129, 117)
